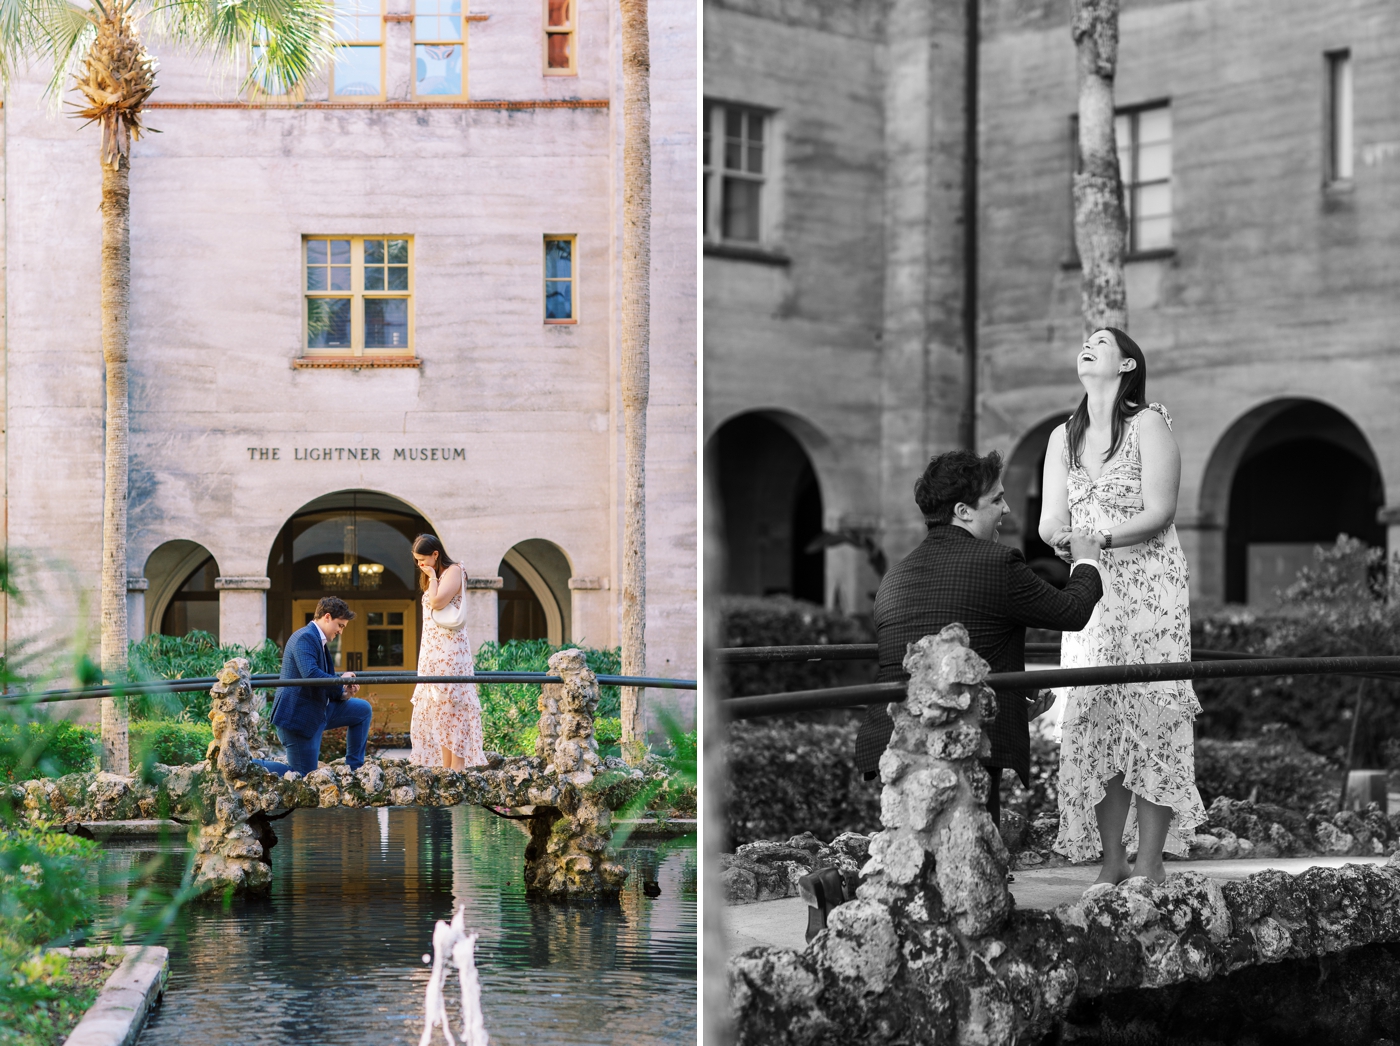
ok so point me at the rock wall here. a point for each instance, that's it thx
(932, 950)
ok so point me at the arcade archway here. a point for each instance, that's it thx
(181, 597)
(772, 510)
(1299, 473)
(534, 600)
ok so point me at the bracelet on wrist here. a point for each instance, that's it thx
(1107, 536)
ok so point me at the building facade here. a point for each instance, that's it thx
(1262, 179)
(387, 306)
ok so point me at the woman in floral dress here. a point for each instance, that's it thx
(446, 726)
(1127, 766)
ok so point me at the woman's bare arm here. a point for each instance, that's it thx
(447, 586)
(1054, 489)
(1161, 480)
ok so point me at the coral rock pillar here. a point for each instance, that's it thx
(229, 851)
(568, 852)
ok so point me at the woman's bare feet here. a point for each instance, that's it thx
(1154, 870)
(1113, 872)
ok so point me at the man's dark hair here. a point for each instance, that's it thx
(957, 476)
(335, 607)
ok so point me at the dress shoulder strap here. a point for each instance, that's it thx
(1162, 411)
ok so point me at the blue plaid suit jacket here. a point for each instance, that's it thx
(953, 576)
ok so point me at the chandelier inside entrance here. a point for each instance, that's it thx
(351, 573)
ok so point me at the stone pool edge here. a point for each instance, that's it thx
(119, 1012)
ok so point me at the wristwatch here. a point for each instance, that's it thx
(1107, 536)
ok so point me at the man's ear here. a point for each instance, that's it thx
(963, 511)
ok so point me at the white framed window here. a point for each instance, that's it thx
(1339, 117)
(358, 70)
(560, 38)
(1144, 136)
(737, 156)
(439, 51)
(359, 295)
(560, 279)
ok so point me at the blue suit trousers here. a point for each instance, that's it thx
(304, 750)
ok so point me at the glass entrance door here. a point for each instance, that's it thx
(381, 637)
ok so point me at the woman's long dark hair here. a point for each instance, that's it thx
(1131, 398)
(426, 545)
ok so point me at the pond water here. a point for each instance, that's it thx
(335, 954)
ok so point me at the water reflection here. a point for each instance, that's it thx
(335, 954)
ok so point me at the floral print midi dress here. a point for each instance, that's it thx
(445, 715)
(1145, 731)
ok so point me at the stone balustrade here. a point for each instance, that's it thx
(932, 948)
(230, 801)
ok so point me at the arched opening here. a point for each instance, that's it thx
(534, 601)
(358, 545)
(772, 511)
(1025, 470)
(181, 597)
(1304, 474)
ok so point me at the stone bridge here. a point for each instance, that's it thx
(229, 801)
(932, 948)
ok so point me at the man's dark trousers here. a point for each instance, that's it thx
(302, 714)
(988, 588)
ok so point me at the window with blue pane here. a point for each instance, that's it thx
(358, 293)
(358, 69)
(438, 48)
(560, 276)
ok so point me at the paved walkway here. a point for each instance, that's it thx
(783, 924)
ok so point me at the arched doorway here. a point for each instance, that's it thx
(1304, 474)
(1025, 470)
(358, 545)
(772, 510)
(534, 601)
(181, 597)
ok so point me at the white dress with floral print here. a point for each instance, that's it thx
(445, 715)
(1142, 730)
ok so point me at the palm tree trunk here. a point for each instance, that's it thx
(636, 367)
(116, 298)
(1099, 225)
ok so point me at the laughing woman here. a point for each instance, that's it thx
(446, 725)
(1127, 765)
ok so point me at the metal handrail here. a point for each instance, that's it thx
(269, 682)
(1103, 675)
(757, 655)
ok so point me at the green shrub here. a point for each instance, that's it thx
(46, 748)
(190, 656)
(789, 776)
(782, 621)
(1273, 767)
(169, 741)
(509, 711)
(46, 892)
(1342, 605)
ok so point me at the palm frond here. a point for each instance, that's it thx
(282, 42)
(63, 33)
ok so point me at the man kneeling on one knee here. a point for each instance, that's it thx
(302, 714)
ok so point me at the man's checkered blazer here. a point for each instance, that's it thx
(953, 576)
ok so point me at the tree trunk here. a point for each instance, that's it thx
(116, 298)
(1099, 225)
(636, 367)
